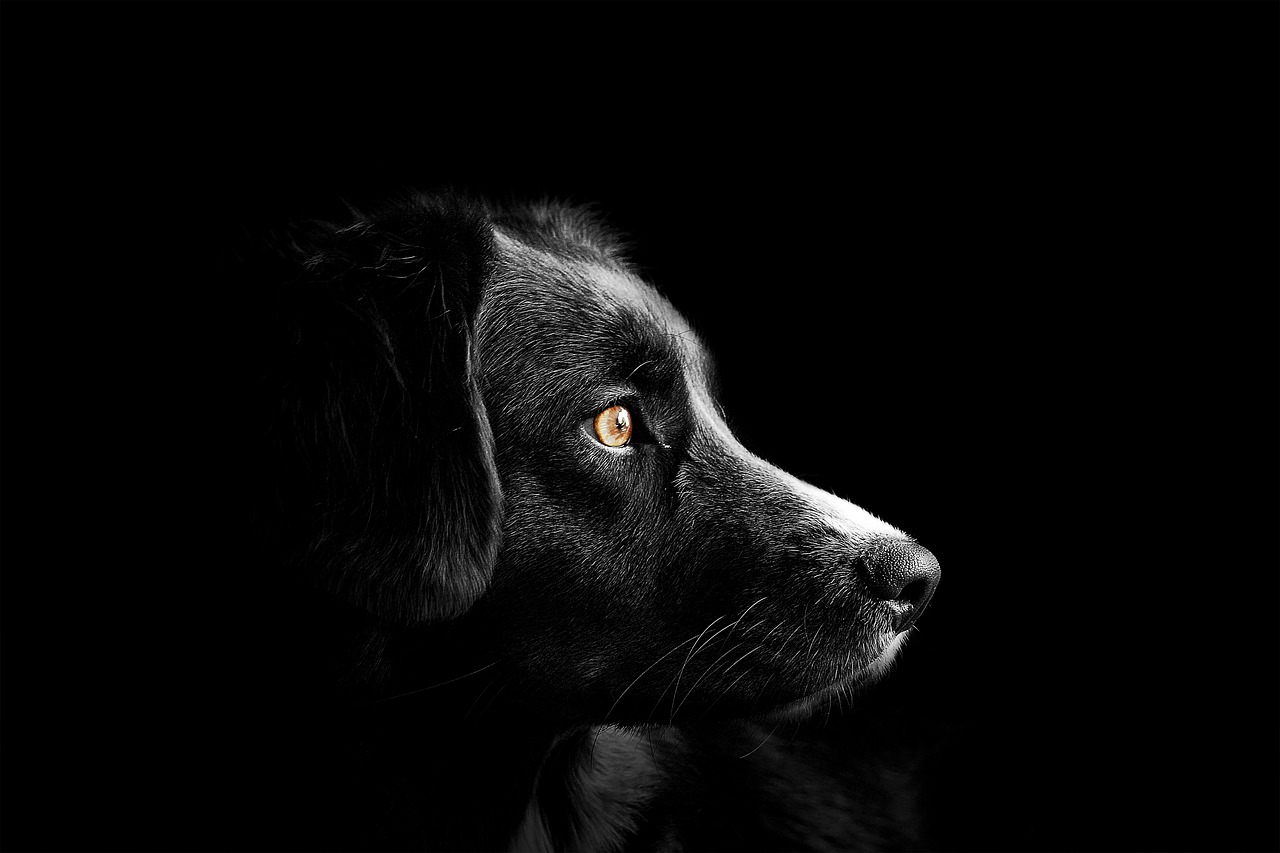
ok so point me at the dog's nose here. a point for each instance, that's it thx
(902, 572)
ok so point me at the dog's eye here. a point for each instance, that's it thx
(613, 426)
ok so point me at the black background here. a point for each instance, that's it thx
(1004, 275)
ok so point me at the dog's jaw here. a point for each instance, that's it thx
(857, 679)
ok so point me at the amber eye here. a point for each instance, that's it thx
(613, 426)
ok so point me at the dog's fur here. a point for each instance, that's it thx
(501, 633)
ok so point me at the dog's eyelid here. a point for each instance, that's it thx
(613, 395)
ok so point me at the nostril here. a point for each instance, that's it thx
(902, 572)
(914, 592)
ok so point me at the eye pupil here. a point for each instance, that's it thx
(613, 426)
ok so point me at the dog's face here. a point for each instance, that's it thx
(648, 559)
(640, 565)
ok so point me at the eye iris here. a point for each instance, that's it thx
(613, 426)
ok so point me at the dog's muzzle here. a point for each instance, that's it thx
(903, 573)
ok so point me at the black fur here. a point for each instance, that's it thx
(392, 498)
(489, 630)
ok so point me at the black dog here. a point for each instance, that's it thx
(546, 583)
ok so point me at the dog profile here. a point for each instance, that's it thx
(538, 595)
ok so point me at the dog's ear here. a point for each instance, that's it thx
(389, 493)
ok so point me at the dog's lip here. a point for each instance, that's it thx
(845, 682)
(877, 667)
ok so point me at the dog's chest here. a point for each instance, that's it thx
(600, 799)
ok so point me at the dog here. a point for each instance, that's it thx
(531, 592)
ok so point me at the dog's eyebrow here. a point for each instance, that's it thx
(645, 358)
(661, 355)
(640, 365)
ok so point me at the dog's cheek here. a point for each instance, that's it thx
(568, 600)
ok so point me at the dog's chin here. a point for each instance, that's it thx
(845, 686)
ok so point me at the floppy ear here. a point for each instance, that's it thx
(389, 492)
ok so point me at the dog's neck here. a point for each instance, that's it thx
(443, 760)
(456, 785)
(505, 783)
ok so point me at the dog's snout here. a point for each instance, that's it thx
(902, 572)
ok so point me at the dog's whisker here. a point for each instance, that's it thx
(479, 696)
(723, 673)
(653, 710)
(433, 686)
(709, 669)
(763, 687)
(492, 699)
(692, 652)
(636, 680)
(725, 692)
(738, 621)
(785, 642)
(729, 689)
(674, 683)
(803, 656)
(643, 674)
(812, 640)
(712, 638)
(766, 739)
(774, 674)
(741, 659)
(711, 666)
(795, 732)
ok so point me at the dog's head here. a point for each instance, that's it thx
(492, 420)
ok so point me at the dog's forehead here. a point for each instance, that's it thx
(556, 301)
